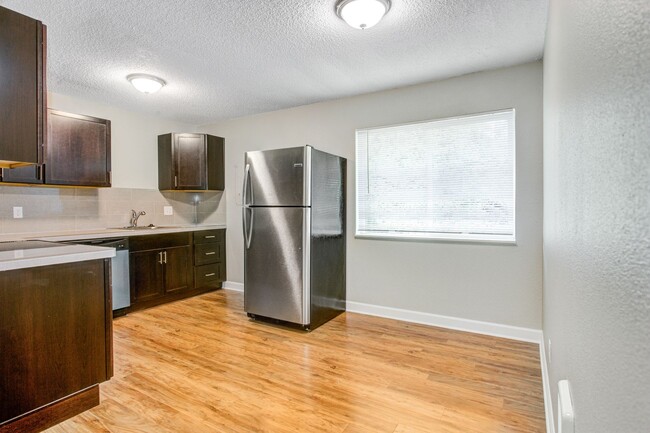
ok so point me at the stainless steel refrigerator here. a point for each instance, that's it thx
(294, 235)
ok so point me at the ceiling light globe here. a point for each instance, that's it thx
(362, 14)
(146, 83)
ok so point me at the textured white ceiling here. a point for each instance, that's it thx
(229, 58)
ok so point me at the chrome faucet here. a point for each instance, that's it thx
(134, 217)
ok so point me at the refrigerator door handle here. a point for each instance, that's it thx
(249, 236)
(244, 211)
(244, 194)
(243, 223)
(248, 229)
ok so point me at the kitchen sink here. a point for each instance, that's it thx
(149, 227)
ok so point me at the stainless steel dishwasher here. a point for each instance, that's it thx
(121, 288)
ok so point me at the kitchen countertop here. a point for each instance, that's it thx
(30, 254)
(106, 233)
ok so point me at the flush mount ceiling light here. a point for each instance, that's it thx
(146, 83)
(362, 14)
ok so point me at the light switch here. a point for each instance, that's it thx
(168, 210)
(18, 211)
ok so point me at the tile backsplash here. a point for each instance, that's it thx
(71, 209)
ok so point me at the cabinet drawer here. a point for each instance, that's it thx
(209, 236)
(208, 253)
(156, 242)
(208, 275)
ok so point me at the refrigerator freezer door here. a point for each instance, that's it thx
(275, 280)
(277, 177)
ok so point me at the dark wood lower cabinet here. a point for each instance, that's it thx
(55, 340)
(54, 413)
(161, 269)
(178, 269)
(209, 258)
(146, 270)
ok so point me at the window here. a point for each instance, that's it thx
(449, 179)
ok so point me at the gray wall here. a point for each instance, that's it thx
(597, 210)
(494, 283)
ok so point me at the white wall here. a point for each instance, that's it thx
(134, 139)
(493, 283)
(597, 210)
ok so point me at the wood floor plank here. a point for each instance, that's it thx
(200, 365)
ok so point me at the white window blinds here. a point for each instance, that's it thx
(442, 179)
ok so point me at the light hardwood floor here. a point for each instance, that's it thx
(200, 365)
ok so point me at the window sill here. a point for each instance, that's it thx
(438, 237)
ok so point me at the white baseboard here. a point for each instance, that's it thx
(546, 384)
(478, 327)
(231, 285)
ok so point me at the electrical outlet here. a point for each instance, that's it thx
(18, 211)
(168, 210)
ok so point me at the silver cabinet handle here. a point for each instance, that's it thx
(165, 256)
(210, 237)
(211, 253)
(211, 274)
(160, 260)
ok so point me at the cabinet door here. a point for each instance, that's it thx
(54, 334)
(22, 91)
(78, 150)
(190, 155)
(178, 269)
(146, 270)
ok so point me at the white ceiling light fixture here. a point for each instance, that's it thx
(146, 83)
(362, 14)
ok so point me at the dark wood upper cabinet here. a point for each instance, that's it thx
(22, 92)
(77, 153)
(190, 162)
(78, 150)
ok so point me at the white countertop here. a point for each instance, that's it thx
(106, 233)
(16, 254)
(20, 255)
